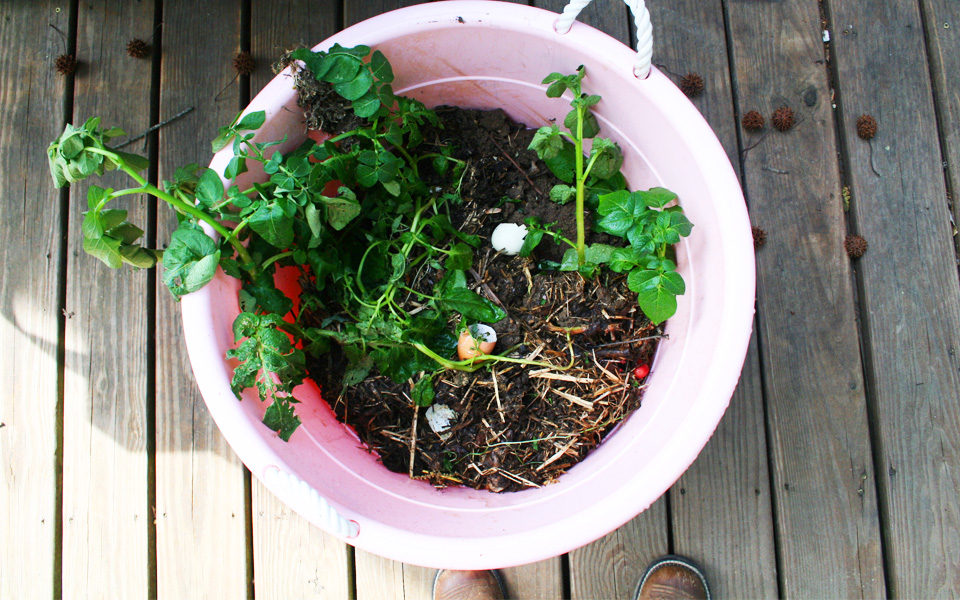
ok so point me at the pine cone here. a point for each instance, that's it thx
(855, 246)
(866, 127)
(759, 237)
(783, 118)
(691, 84)
(138, 48)
(244, 63)
(65, 64)
(753, 121)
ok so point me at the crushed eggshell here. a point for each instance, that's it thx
(508, 238)
(439, 417)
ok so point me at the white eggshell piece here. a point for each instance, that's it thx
(439, 417)
(508, 238)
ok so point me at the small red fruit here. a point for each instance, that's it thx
(641, 371)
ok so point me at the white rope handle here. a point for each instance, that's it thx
(641, 16)
(330, 519)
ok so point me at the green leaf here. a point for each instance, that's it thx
(236, 166)
(341, 68)
(564, 164)
(561, 194)
(355, 88)
(547, 142)
(139, 257)
(532, 239)
(190, 261)
(423, 393)
(263, 294)
(134, 161)
(270, 222)
(342, 209)
(471, 305)
(606, 158)
(95, 195)
(599, 254)
(655, 300)
(357, 371)
(460, 257)
(625, 259)
(657, 197)
(367, 105)
(280, 417)
(570, 260)
(398, 264)
(209, 189)
(128, 233)
(556, 89)
(252, 121)
(380, 67)
(105, 248)
(617, 209)
(314, 223)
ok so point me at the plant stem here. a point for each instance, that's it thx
(581, 191)
(178, 204)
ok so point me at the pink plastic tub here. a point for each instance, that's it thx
(490, 55)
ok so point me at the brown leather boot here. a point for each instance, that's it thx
(467, 585)
(673, 578)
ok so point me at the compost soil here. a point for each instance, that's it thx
(515, 426)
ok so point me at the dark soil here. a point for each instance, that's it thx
(516, 426)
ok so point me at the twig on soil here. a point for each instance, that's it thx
(153, 128)
(486, 288)
(626, 342)
(546, 374)
(575, 399)
(413, 437)
(558, 454)
(496, 394)
(519, 168)
(517, 478)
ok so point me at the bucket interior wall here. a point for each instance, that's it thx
(488, 62)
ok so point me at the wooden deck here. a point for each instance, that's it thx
(834, 474)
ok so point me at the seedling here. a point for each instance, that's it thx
(648, 220)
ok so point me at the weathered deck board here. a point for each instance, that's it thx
(612, 566)
(105, 509)
(822, 469)
(942, 29)
(823, 401)
(909, 289)
(31, 272)
(323, 567)
(721, 507)
(201, 505)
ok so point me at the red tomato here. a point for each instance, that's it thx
(641, 371)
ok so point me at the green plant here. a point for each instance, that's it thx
(645, 219)
(353, 215)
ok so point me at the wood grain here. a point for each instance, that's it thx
(910, 293)
(721, 507)
(201, 508)
(822, 467)
(105, 509)
(380, 578)
(612, 566)
(291, 557)
(32, 98)
(942, 33)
